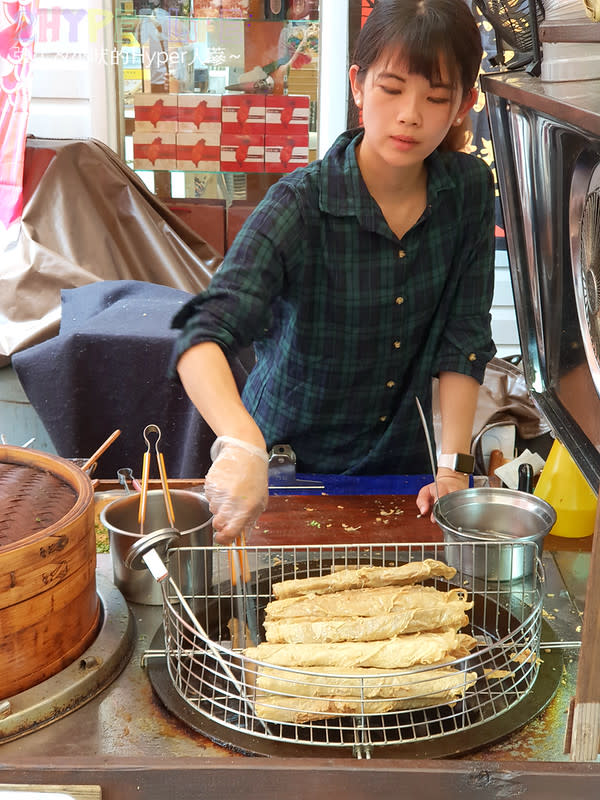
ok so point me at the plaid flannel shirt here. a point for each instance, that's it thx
(348, 322)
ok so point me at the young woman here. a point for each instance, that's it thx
(358, 279)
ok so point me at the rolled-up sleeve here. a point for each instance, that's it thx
(235, 309)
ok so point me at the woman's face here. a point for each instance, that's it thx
(405, 116)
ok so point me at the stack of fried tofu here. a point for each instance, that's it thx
(369, 640)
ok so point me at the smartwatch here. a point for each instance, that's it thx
(459, 462)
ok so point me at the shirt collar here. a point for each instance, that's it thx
(343, 191)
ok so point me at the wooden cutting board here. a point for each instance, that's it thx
(343, 519)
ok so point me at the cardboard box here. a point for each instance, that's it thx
(205, 217)
(285, 153)
(205, 9)
(154, 150)
(287, 114)
(234, 9)
(200, 151)
(199, 112)
(242, 152)
(243, 113)
(155, 112)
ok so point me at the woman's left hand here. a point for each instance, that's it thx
(447, 481)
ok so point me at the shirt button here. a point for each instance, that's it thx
(382, 419)
(401, 253)
(399, 301)
(472, 357)
(397, 344)
(390, 384)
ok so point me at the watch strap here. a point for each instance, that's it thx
(459, 462)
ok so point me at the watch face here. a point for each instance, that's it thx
(464, 463)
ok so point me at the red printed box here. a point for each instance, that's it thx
(200, 151)
(199, 112)
(242, 152)
(287, 114)
(154, 150)
(155, 112)
(207, 8)
(234, 9)
(243, 113)
(285, 153)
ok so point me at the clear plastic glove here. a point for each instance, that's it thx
(236, 487)
(446, 483)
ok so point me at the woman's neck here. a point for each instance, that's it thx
(385, 182)
(401, 194)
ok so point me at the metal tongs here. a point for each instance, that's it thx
(163, 479)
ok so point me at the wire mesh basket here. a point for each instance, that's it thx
(207, 636)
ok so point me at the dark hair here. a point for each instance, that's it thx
(427, 33)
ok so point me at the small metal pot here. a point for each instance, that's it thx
(193, 519)
(502, 519)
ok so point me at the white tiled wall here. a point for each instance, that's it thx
(72, 81)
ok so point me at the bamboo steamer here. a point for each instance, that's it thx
(49, 608)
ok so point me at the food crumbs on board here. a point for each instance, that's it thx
(550, 594)
(418, 516)
(314, 524)
(308, 508)
(340, 506)
(350, 528)
(578, 629)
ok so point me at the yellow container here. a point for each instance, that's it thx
(563, 486)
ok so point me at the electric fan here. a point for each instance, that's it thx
(585, 254)
(515, 24)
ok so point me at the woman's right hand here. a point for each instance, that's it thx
(236, 487)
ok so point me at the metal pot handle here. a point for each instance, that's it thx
(541, 570)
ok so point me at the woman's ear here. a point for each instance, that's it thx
(356, 85)
(467, 104)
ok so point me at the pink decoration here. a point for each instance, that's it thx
(17, 22)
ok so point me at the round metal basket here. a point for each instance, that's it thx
(206, 635)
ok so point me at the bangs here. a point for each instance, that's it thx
(432, 57)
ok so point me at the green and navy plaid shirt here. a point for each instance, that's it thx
(348, 322)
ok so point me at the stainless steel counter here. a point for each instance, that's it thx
(126, 724)
(574, 102)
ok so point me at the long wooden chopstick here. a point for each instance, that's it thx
(144, 490)
(244, 627)
(103, 447)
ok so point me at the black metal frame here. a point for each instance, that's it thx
(531, 61)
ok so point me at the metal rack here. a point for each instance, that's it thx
(218, 681)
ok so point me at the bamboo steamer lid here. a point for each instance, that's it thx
(49, 608)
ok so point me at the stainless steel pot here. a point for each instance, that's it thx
(193, 519)
(495, 522)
